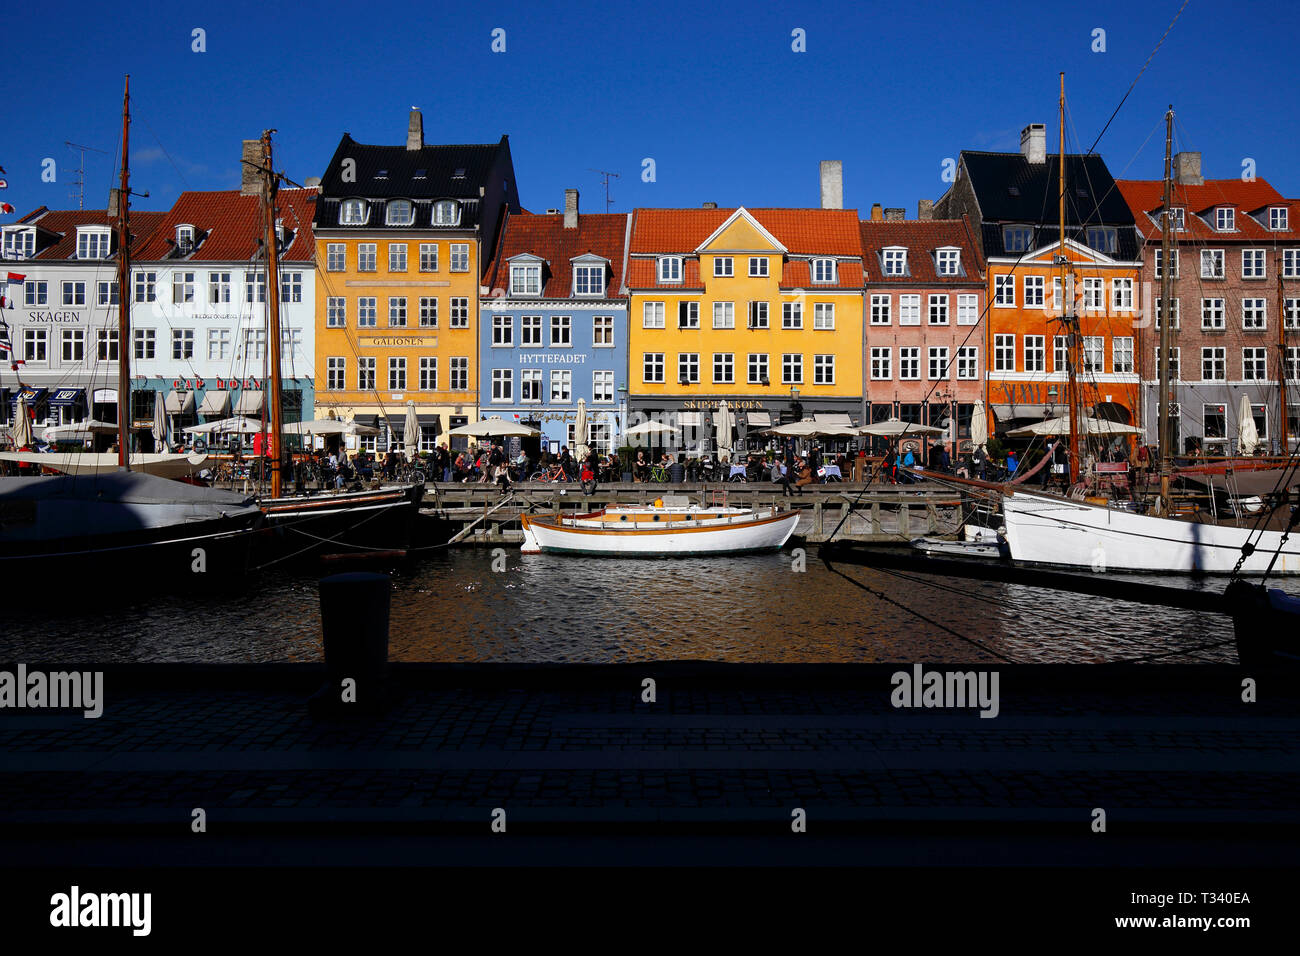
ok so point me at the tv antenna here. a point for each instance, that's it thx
(609, 201)
(79, 184)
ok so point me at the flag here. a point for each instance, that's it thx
(17, 276)
(6, 208)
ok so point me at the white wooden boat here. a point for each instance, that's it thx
(104, 463)
(660, 530)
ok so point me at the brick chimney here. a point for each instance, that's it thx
(925, 209)
(415, 130)
(832, 184)
(570, 209)
(710, 205)
(895, 214)
(876, 214)
(113, 196)
(1187, 169)
(250, 175)
(1033, 143)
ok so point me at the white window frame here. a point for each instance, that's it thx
(824, 316)
(882, 363)
(724, 267)
(909, 309)
(881, 309)
(893, 261)
(968, 308)
(724, 315)
(758, 267)
(670, 269)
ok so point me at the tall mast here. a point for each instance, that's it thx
(1067, 300)
(272, 250)
(1163, 395)
(1285, 447)
(123, 293)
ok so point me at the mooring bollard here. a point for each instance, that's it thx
(354, 609)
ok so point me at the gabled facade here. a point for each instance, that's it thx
(404, 235)
(554, 325)
(1235, 274)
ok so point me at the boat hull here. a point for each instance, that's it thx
(552, 534)
(1057, 531)
(307, 527)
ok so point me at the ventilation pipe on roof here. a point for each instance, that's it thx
(1187, 169)
(415, 130)
(1033, 143)
(832, 171)
(570, 209)
(925, 209)
(250, 168)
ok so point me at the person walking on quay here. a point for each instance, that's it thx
(567, 463)
(781, 476)
(442, 462)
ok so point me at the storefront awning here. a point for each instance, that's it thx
(67, 396)
(1006, 413)
(33, 396)
(216, 404)
(178, 403)
(250, 402)
(690, 420)
(833, 418)
(758, 419)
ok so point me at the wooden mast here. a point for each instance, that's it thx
(123, 293)
(1284, 448)
(1163, 393)
(1067, 301)
(272, 251)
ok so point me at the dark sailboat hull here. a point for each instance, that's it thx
(307, 528)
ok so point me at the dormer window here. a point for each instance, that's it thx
(279, 233)
(947, 262)
(401, 212)
(1277, 218)
(670, 269)
(353, 212)
(1177, 218)
(1016, 238)
(19, 243)
(526, 279)
(446, 213)
(823, 270)
(589, 279)
(1102, 238)
(894, 261)
(92, 243)
(1225, 219)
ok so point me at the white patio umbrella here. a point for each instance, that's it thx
(979, 426)
(893, 427)
(725, 424)
(22, 426)
(329, 426)
(803, 429)
(580, 449)
(411, 432)
(159, 423)
(493, 427)
(1087, 426)
(651, 428)
(238, 425)
(1247, 433)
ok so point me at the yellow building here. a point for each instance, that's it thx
(402, 237)
(761, 308)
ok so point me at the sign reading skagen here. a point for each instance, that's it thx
(552, 358)
(398, 341)
(54, 316)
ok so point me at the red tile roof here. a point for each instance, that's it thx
(827, 232)
(230, 226)
(797, 274)
(1145, 197)
(643, 274)
(600, 234)
(920, 237)
(65, 222)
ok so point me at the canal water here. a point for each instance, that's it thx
(455, 607)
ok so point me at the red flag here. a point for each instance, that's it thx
(17, 277)
(6, 208)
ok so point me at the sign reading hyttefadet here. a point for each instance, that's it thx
(56, 690)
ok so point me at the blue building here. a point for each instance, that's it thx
(553, 325)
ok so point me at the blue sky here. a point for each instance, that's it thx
(713, 93)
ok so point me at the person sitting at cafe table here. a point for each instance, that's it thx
(640, 467)
(804, 472)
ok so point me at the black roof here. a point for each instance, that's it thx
(1126, 239)
(1011, 189)
(328, 210)
(438, 172)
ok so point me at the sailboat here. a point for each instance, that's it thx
(95, 527)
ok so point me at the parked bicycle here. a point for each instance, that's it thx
(550, 473)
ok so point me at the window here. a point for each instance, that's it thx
(602, 331)
(589, 280)
(74, 293)
(1225, 219)
(1035, 353)
(1004, 353)
(1121, 295)
(1178, 218)
(1260, 414)
(94, 244)
(336, 371)
(108, 340)
(792, 315)
(758, 368)
(652, 366)
(758, 267)
(460, 312)
(1252, 264)
(724, 368)
(1212, 314)
(791, 369)
(1004, 291)
(254, 343)
(561, 331)
(823, 369)
(1215, 420)
(446, 213)
(882, 363)
(823, 270)
(74, 345)
(503, 331)
(428, 257)
(938, 310)
(460, 373)
(688, 368)
(353, 212)
(1060, 354)
(218, 286)
(1056, 294)
(723, 266)
(1016, 238)
(397, 257)
(894, 262)
(336, 312)
(1292, 362)
(526, 279)
(144, 343)
(561, 385)
(19, 244)
(880, 310)
(1290, 263)
(1211, 263)
(824, 315)
(1173, 363)
(107, 293)
(428, 312)
(368, 257)
(36, 292)
(758, 315)
(218, 344)
(1174, 313)
(968, 362)
(909, 310)
(366, 373)
(1093, 295)
(290, 341)
(670, 269)
(1277, 218)
(724, 315)
(968, 309)
(429, 373)
(1291, 319)
(909, 364)
(1102, 238)
(602, 386)
(1094, 353)
(1034, 286)
(367, 312)
(397, 311)
(1122, 354)
(503, 385)
(530, 330)
(948, 262)
(460, 257)
(938, 362)
(1253, 314)
(336, 257)
(1254, 364)
(36, 345)
(183, 344)
(400, 212)
(146, 286)
(652, 315)
(1173, 271)
(1214, 364)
